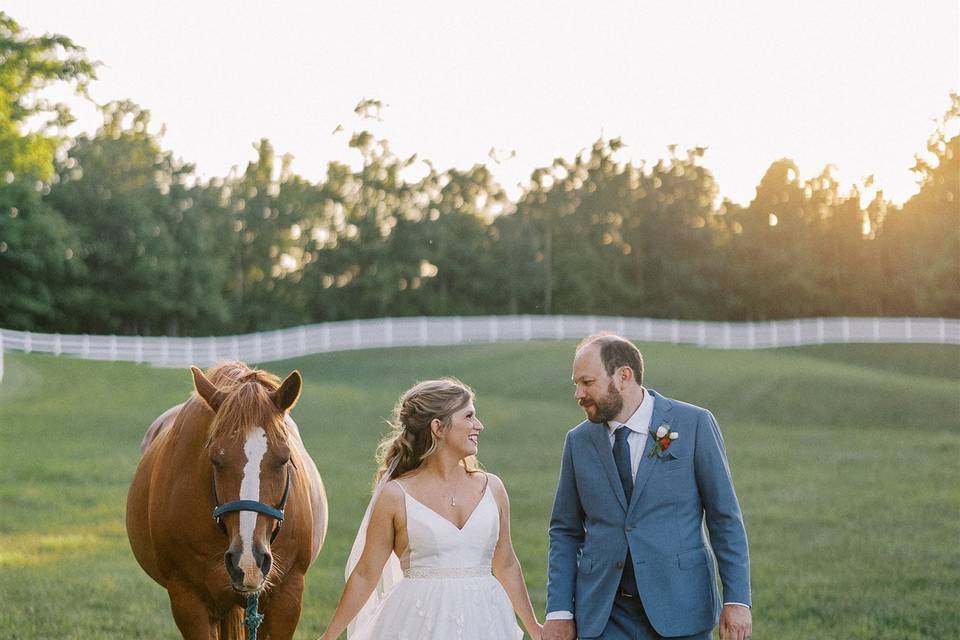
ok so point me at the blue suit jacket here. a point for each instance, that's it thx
(592, 525)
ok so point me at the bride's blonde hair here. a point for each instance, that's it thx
(411, 441)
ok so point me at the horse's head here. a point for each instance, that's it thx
(250, 457)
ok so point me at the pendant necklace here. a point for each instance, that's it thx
(453, 495)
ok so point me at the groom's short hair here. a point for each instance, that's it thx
(616, 352)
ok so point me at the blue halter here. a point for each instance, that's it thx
(251, 505)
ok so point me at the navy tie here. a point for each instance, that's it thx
(621, 456)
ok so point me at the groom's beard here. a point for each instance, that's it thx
(606, 407)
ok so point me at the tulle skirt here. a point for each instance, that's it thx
(474, 608)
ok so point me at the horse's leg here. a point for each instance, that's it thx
(282, 612)
(190, 612)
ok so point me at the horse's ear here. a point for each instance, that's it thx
(206, 390)
(288, 393)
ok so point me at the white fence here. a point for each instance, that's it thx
(422, 331)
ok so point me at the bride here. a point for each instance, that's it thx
(433, 558)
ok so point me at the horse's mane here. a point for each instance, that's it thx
(247, 403)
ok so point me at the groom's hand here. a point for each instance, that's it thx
(736, 622)
(559, 630)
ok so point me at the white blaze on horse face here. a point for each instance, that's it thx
(255, 448)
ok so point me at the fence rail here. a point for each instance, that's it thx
(432, 331)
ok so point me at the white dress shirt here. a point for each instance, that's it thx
(639, 425)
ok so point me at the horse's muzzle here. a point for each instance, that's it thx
(247, 576)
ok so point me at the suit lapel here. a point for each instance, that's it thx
(600, 438)
(661, 414)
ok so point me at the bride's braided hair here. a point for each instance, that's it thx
(411, 440)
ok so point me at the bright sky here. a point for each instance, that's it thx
(856, 84)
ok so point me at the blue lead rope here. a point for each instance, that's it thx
(252, 618)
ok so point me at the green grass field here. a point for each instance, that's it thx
(846, 462)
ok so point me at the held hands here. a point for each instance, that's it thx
(736, 622)
(559, 630)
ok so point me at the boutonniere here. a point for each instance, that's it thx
(662, 438)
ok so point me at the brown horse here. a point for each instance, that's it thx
(227, 502)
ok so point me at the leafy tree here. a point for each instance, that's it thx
(36, 247)
(269, 207)
(771, 260)
(130, 207)
(37, 261)
(355, 270)
(921, 243)
(671, 230)
(30, 125)
(454, 245)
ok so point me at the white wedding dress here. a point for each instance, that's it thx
(447, 591)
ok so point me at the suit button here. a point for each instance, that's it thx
(619, 564)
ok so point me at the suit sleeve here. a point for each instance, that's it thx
(566, 537)
(728, 537)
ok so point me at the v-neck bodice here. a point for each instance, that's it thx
(436, 543)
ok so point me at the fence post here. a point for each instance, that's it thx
(702, 334)
(561, 328)
(494, 332)
(751, 335)
(355, 333)
(908, 329)
(139, 348)
(458, 330)
(113, 348)
(727, 337)
(525, 327)
(675, 331)
(422, 330)
(845, 326)
(302, 339)
(774, 334)
(876, 329)
(943, 331)
(388, 331)
(27, 342)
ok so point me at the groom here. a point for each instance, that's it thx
(628, 555)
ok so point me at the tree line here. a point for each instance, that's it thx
(109, 232)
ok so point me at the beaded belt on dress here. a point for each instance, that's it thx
(447, 572)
